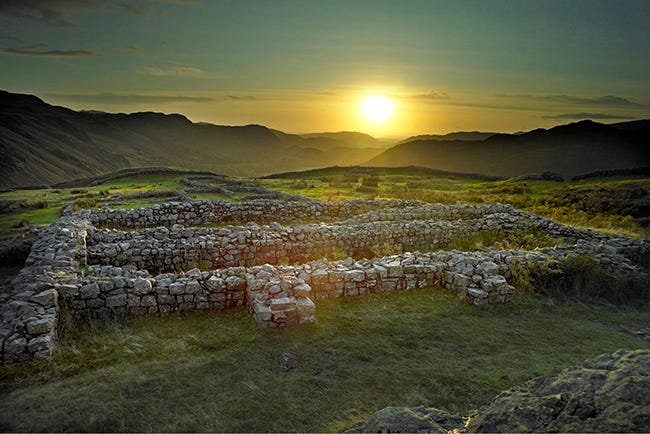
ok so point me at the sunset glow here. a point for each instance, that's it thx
(377, 108)
(303, 66)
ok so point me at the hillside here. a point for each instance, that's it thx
(460, 135)
(44, 144)
(571, 149)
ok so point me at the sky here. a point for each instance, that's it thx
(307, 66)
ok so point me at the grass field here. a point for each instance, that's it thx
(610, 205)
(218, 372)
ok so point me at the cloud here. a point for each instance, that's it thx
(172, 71)
(146, 8)
(33, 50)
(241, 98)
(429, 96)
(603, 101)
(586, 116)
(55, 13)
(125, 48)
(111, 98)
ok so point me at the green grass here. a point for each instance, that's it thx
(612, 205)
(218, 372)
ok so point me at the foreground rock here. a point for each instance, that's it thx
(607, 394)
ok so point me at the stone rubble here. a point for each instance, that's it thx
(111, 264)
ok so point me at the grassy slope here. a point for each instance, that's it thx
(613, 205)
(217, 372)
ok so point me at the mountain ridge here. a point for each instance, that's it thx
(570, 149)
(44, 144)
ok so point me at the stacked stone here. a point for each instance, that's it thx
(197, 213)
(160, 249)
(471, 275)
(29, 320)
(72, 270)
(278, 299)
(108, 292)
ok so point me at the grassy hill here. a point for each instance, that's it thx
(44, 144)
(567, 149)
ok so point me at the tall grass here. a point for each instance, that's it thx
(217, 372)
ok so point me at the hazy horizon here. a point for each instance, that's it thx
(300, 66)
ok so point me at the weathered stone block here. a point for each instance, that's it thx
(476, 292)
(38, 326)
(46, 298)
(283, 303)
(148, 301)
(192, 287)
(319, 277)
(40, 343)
(303, 290)
(142, 286)
(235, 283)
(116, 300)
(15, 345)
(354, 276)
(94, 303)
(90, 290)
(214, 283)
(176, 288)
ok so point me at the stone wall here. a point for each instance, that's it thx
(79, 269)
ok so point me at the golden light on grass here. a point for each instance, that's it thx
(377, 108)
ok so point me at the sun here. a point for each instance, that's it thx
(377, 108)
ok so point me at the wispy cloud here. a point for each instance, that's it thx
(57, 13)
(241, 98)
(125, 48)
(429, 96)
(586, 116)
(33, 50)
(111, 98)
(603, 101)
(146, 8)
(172, 71)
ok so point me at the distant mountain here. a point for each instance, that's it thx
(460, 135)
(572, 149)
(43, 144)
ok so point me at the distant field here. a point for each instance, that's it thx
(611, 205)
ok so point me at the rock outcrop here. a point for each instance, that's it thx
(605, 394)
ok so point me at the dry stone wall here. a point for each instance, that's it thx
(81, 269)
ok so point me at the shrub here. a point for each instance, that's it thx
(23, 223)
(79, 191)
(39, 204)
(370, 181)
(583, 278)
(365, 189)
(85, 202)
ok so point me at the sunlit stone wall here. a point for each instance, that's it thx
(79, 269)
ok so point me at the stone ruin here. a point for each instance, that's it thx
(113, 264)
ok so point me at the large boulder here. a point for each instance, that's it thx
(410, 420)
(610, 393)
